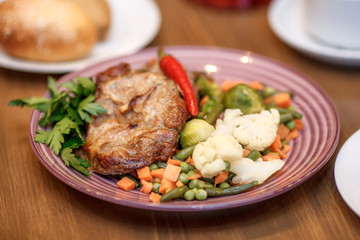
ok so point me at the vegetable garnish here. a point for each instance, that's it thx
(66, 112)
(173, 69)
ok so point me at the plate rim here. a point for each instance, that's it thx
(170, 208)
(345, 57)
(7, 61)
(340, 160)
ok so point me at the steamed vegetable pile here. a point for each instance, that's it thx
(237, 138)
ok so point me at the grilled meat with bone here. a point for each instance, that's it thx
(145, 114)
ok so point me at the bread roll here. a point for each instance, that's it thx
(99, 12)
(45, 30)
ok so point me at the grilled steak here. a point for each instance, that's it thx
(145, 113)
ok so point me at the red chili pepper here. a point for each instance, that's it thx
(173, 69)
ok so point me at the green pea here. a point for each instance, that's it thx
(189, 195)
(191, 173)
(194, 183)
(227, 166)
(224, 185)
(156, 187)
(183, 177)
(185, 167)
(153, 166)
(207, 184)
(201, 194)
(290, 124)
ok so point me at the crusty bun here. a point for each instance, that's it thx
(45, 30)
(99, 12)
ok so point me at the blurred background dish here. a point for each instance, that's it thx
(287, 22)
(134, 24)
(347, 172)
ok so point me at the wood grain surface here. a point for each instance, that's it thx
(36, 205)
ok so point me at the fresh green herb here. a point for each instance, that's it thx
(66, 112)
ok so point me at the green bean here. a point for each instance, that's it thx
(290, 124)
(209, 180)
(185, 167)
(184, 153)
(189, 195)
(285, 117)
(230, 177)
(294, 113)
(216, 192)
(214, 113)
(174, 194)
(161, 164)
(254, 155)
(153, 166)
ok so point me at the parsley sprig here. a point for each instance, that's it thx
(66, 112)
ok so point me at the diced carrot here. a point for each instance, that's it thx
(299, 124)
(270, 156)
(286, 149)
(203, 100)
(292, 135)
(276, 144)
(146, 186)
(257, 85)
(174, 162)
(227, 84)
(245, 152)
(157, 180)
(158, 173)
(144, 173)
(189, 160)
(166, 184)
(126, 184)
(282, 99)
(281, 154)
(172, 172)
(195, 176)
(283, 131)
(221, 177)
(155, 197)
(179, 183)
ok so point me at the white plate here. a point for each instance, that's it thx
(347, 172)
(133, 25)
(286, 20)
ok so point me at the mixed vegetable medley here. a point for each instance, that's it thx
(238, 137)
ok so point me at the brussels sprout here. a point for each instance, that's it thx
(245, 98)
(196, 130)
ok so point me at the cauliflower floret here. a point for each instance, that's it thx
(209, 156)
(248, 170)
(257, 131)
(254, 131)
(226, 126)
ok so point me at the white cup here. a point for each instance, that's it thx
(334, 22)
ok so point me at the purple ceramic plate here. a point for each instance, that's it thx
(310, 151)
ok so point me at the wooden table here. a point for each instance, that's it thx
(36, 205)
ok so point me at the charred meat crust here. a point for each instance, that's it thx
(145, 114)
